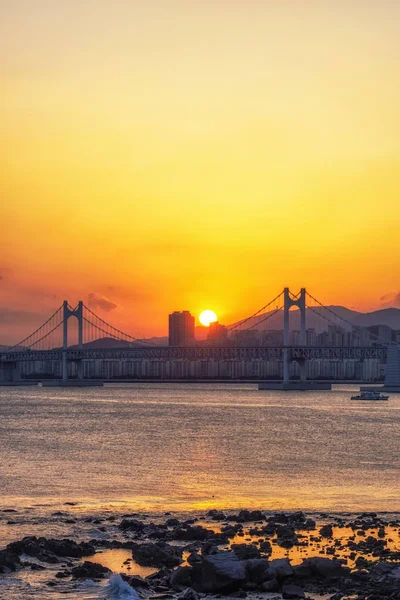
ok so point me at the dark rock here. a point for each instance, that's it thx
(216, 515)
(256, 570)
(222, 572)
(9, 561)
(279, 569)
(172, 522)
(271, 585)
(326, 531)
(162, 574)
(131, 525)
(381, 532)
(245, 551)
(209, 548)
(188, 594)
(49, 549)
(89, 570)
(156, 555)
(181, 578)
(193, 558)
(197, 533)
(292, 592)
(245, 516)
(324, 568)
(135, 581)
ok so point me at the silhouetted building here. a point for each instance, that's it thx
(217, 333)
(181, 328)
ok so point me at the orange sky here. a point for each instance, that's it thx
(170, 154)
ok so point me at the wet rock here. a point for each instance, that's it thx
(219, 573)
(286, 536)
(326, 531)
(216, 515)
(257, 570)
(49, 549)
(270, 586)
(181, 578)
(9, 561)
(156, 555)
(245, 516)
(290, 592)
(161, 575)
(193, 558)
(209, 548)
(172, 522)
(279, 569)
(131, 525)
(188, 594)
(197, 533)
(246, 551)
(89, 570)
(135, 581)
(324, 568)
(381, 532)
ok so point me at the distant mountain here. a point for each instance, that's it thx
(319, 318)
(113, 343)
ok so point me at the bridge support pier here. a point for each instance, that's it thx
(392, 377)
(10, 373)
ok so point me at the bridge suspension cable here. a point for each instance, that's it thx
(344, 320)
(239, 323)
(112, 331)
(30, 340)
(269, 316)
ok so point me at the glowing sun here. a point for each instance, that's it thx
(207, 317)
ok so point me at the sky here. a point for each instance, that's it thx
(183, 155)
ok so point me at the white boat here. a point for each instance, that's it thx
(370, 395)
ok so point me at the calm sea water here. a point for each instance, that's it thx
(184, 447)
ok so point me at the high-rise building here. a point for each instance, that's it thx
(217, 333)
(311, 337)
(181, 328)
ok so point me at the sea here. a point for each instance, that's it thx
(184, 449)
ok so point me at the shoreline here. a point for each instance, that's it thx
(193, 555)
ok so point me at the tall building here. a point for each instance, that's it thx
(181, 328)
(217, 333)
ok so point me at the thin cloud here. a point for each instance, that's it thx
(96, 301)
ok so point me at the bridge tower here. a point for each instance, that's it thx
(67, 313)
(392, 378)
(300, 302)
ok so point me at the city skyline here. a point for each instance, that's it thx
(186, 155)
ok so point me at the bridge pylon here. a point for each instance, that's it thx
(300, 302)
(67, 313)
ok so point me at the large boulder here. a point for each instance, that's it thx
(156, 555)
(279, 569)
(9, 561)
(219, 573)
(257, 570)
(181, 578)
(324, 568)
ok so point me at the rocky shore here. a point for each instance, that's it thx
(249, 553)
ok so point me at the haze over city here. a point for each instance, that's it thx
(176, 155)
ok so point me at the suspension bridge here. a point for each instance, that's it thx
(54, 341)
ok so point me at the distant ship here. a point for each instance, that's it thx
(370, 395)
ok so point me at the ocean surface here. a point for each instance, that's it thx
(67, 455)
(198, 446)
